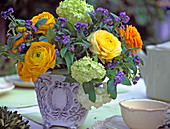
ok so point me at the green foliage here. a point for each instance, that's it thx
(89, 89)
(111, 89)
(50, 35)
(41, 22)
(12, 120)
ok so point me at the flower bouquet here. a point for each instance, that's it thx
(84, 44)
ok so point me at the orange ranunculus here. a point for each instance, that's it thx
(39, 58)
(17, 42)
(132, 38)
(43, 29)
(105, 45)
(23, 72)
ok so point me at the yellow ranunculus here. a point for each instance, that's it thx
(23, 72)
(105, 45)
(43, 29)
(39, 58)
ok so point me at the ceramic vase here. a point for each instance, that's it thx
(57, 102)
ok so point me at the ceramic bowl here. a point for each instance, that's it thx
(143, 113)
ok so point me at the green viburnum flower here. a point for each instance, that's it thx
(85, 69)
(75, 11)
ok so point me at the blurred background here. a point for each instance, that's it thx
(151, 17)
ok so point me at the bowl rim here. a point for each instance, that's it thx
(140, 109)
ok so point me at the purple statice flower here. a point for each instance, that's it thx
(137, 60)
(66, 36)
(34, 28)
(122, 14)
(84, 46)
(126, 20)
(117, 19)
(94, 12)
(28, 23)
(21, 47)
(121, 74)
(81, 26)
(57, 37)
(10, 10)
(93, 54)
(4, 14)
(125, 72)
(99, 84)
(136, 80)
(102, 10)
(28, 37)
(57, 52)
(122, 26)
(55, 30)
(110, 65)
(71, 48)
(65, 41)
(118, 80)
(61, 19)
(107, 20)
(62, 25)
(8, 35)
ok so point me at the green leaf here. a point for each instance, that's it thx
(20, 21)
(59, 60)
(20, 57)
(97, 80)
(63, 51)
(28, 44)
(118, 57)
(50, 35)
(12, 39)
(71, 28)
(111, 74)
(41, 22)
(95, 58)
(70, 79)
(111, 89)
(141, 61)
(89, 89)
(92, 16)
(134, 68)
(113, 15)
(59, 72)
(43, 38)
(126, 81)
(78, 43)
(129, 49)
(106, 28)
(69, 57)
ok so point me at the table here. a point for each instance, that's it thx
(135, 91)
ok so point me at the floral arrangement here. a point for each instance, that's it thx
(92, 47)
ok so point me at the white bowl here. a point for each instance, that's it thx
(143, 113)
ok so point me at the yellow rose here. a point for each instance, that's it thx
(39, 58)
(105, 45)
(43, 29)
(23, 72)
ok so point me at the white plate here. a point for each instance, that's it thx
(5, 87)
(18, 82)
